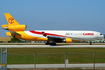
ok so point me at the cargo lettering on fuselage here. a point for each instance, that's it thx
(91, 34)
(74, 34)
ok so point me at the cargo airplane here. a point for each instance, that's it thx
(51, 36)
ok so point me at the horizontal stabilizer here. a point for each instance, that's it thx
(12, 33)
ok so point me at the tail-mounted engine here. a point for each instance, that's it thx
(14, 27)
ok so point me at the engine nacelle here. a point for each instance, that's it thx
(68, 40)
(15, 28)
(63, 40)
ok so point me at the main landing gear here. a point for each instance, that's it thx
(50, 43)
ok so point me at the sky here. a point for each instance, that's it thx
(55, 14)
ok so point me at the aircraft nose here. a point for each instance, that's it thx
(101, 36)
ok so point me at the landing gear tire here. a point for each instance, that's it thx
(90, 42)
(47, 43)
(50, 43)
(53, 43)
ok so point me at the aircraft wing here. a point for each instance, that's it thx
(57, 39)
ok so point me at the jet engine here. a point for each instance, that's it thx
(15, 27)
(67, 40)
(62, 40)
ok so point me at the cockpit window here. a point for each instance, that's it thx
(100, 34)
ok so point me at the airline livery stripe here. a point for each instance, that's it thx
(36, 32)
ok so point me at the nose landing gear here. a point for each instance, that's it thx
(90, 42)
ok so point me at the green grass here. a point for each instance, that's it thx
(55, 69)
(13, 58)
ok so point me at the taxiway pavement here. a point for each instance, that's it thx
(52, 46)
(86, 65)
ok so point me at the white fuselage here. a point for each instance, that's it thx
(74, 35)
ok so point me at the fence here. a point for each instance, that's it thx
(3, 59)
(57, 58)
